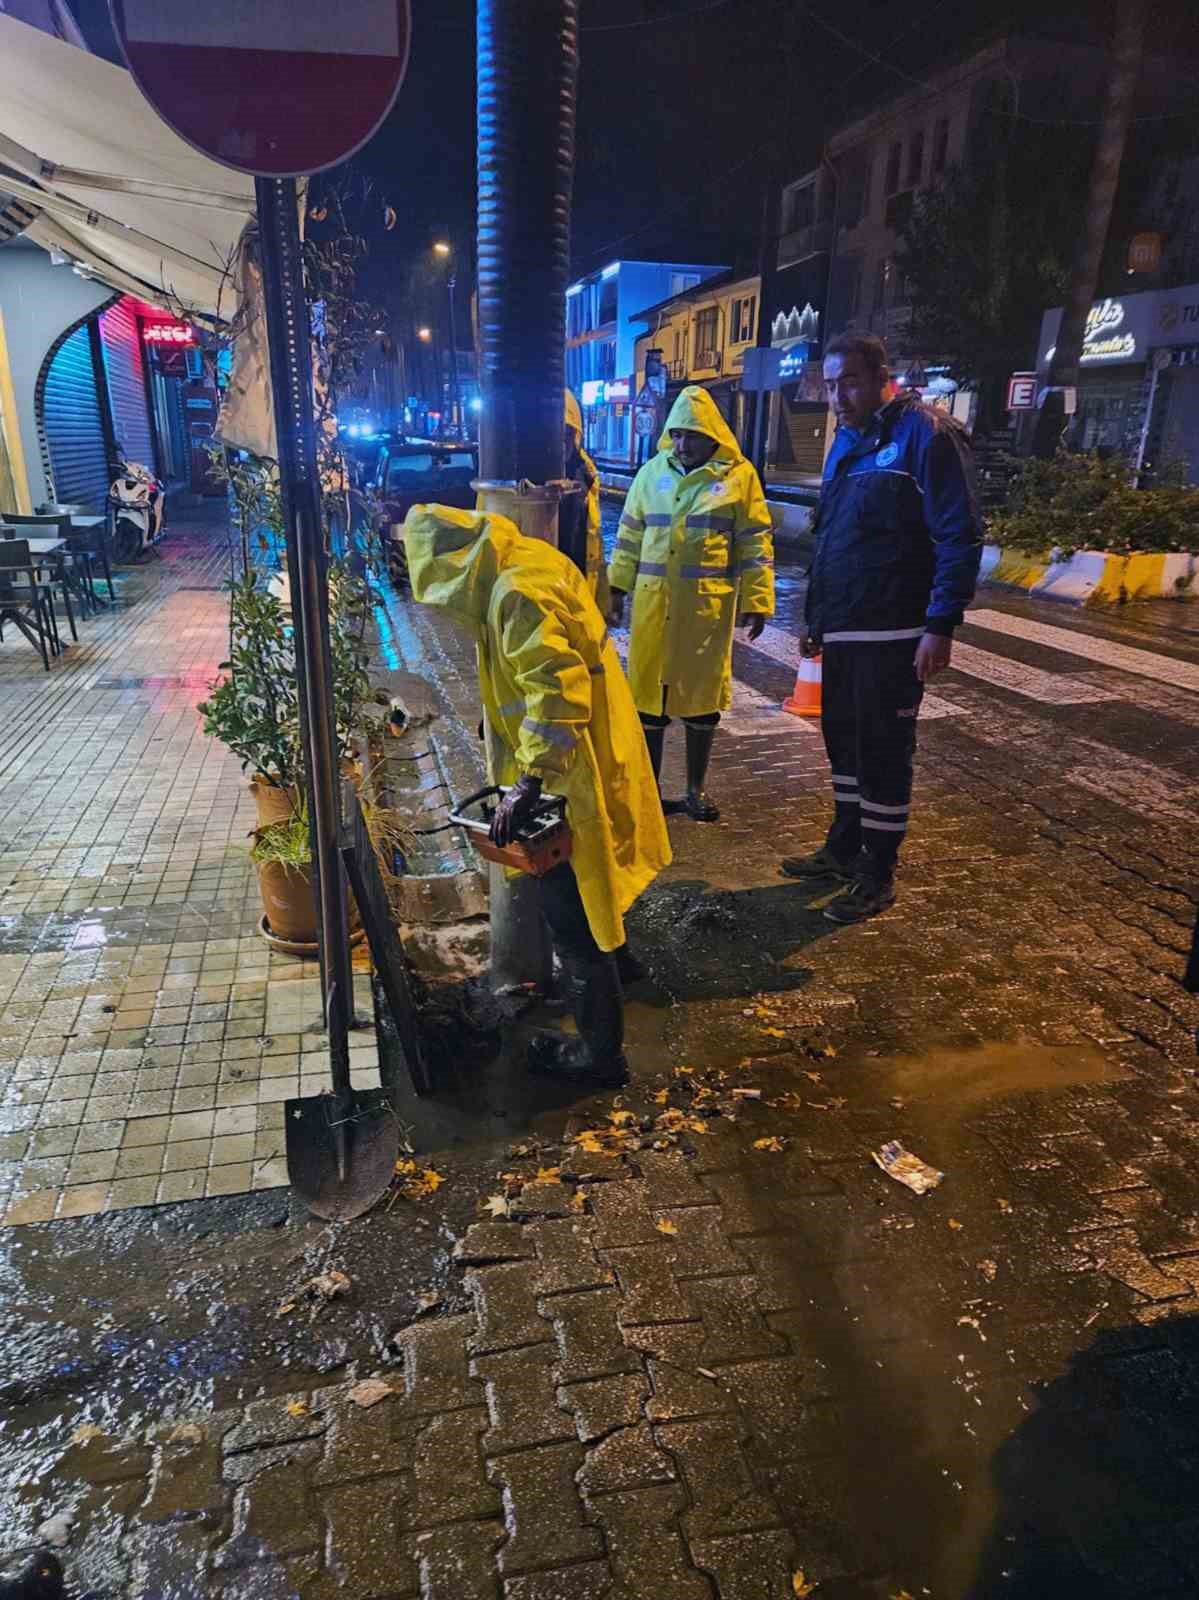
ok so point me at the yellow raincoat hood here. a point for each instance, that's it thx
(555, 700)
(454, 557)
(696, 409)
(574, 417)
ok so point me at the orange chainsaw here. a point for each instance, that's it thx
(543, 843)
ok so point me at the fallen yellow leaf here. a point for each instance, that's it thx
(1004, 1205)
(664, 1225)
(618, 1118)
(85, 1432)
(772, 1143)
(775, 1033)
(297, 1408)
(955, 1224)
(548, 1174)
(800, 1586)
(578, 1201)
(497, 1205)
(661, 1097)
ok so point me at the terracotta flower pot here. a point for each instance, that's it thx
(273, 803)
(289, 905)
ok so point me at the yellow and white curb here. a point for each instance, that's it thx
(1095, 577)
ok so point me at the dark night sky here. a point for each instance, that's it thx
(673, 117)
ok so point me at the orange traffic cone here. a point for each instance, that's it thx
(805, 697)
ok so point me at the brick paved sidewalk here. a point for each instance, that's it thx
(148, 1037)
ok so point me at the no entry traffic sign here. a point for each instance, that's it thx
(277, 88)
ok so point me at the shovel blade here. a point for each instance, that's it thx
(341, 1159)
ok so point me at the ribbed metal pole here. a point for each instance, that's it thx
(527, 73)
(528, 62)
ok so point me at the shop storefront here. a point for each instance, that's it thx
(1138, 393)
(607, 417)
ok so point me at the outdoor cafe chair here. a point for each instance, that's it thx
(55, 567)
(78, 558)
(93, 540)
(25, 600)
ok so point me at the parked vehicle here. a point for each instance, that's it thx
(136, 501)
(413, 472)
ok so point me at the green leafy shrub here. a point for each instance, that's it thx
(1086, 502)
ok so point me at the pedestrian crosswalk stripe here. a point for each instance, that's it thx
(1050, 688)
(1144, 663)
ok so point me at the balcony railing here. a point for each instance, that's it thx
(707, 360)
(800, 243)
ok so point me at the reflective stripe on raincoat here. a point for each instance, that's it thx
(696, 550)
(553, 693)
(597, 572)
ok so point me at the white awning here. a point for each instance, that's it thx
(118, 191)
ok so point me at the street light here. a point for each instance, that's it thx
(444, 250)
(424, 334)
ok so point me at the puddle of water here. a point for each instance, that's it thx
(961, 1078)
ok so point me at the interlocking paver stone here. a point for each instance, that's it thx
(648, 1290)
(506, 1304)
(626, 1459)
(486, 1242)
(459, 1563)
(734, 1326)
(591, 1581)
(358, 1442)
(750, 1566)
(623, 1215)
(366, 1554)
(724, 1498)
(645, 1548)
(542, 1509)
(588, 1337)
(521, 1400)
(603, 1404)
(436, 1365)
(566, 1253)
(451, 1485)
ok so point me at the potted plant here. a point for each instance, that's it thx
(254, 710)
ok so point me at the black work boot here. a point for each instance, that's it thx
(822, 863)
(597, 1055)
(697, 806)
(871, 890)
(655, 738)
(40, 1580)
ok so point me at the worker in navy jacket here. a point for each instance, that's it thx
(899, 538)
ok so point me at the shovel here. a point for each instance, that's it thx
(341, 1149)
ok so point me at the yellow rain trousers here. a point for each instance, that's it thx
(597, 572)
(553, 693)
(695, 549)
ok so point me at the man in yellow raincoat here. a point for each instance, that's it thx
(695, 548)
(561, 716)
(582, 468)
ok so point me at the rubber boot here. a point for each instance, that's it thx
(627, 965)
(41, 1580)
(597, 1055)
(655, 738)
(699, 750)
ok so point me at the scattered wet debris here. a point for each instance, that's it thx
(770, 1142)
(989, 1269)
(370, 1391)
(56, 1530)
(414, 1182)
(317, 1292)
(906, 1168)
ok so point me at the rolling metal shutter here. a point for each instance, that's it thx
(69, 414)
(124, 363)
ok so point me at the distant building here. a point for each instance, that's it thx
(841, 222)
(701, 336)
(602, 325)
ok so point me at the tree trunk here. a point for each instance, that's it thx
(1105, 176)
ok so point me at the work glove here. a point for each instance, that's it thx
(753, 622)
(515, 809)
(616, 609)
(809, 645)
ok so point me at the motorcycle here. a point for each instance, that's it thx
(136, 501)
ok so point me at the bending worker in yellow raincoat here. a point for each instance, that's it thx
(695, 548)
(561, 716)
(581, 467)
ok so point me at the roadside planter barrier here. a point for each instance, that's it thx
(1095, 577)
